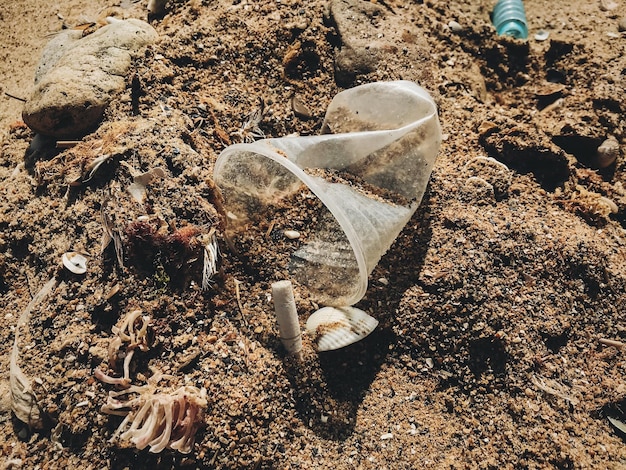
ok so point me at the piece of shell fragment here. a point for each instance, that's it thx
(75, 262)
(337, 327)
(138, 188)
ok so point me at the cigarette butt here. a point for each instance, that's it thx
(287, 316)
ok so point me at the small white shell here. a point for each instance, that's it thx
(336, 327)
(542, 35)
(75, 262)
(138, 192)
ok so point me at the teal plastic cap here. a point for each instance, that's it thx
(509, 18)
(514, 28)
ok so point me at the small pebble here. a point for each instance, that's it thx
(608, 5)
(455, 27)
(387, 436)
(292, 234)
(299, 108)
(542, 35)
(621, 26)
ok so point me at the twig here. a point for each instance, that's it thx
(612, 342)
(238, 295)
(66, 144)
(30, 292)
(269, 229)
(212, 461)
(15, 97)
(541, 385)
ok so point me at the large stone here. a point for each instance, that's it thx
(357, 25)
(376, 43)
(78, 76)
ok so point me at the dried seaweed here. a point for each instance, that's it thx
(158, 420)
(23, 398)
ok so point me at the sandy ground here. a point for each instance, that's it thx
(492, 302)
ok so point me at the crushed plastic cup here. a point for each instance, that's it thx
(360, 182)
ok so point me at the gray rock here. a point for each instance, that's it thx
(377, 44)
(360, 45)
(77, 77)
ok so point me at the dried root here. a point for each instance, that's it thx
(158, 420)
(24, 402)
(211, 254)
(135, 333)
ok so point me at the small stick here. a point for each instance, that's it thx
(238, 294)
(287, 316)
(612, 342)
(269, 229)
(66, 144)
(107, 379)
(15, 97)
(212, 461)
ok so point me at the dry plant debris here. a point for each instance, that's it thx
(24, 402)
(160, 420)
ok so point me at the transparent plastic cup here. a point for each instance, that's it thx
(348, 192)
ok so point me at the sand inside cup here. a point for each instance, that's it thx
(321, 257)
(348, 192)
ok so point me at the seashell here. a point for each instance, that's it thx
(336, 327)
(486, 179)
(75, 262)
(542, 35)
(138, 188)
(157, 7)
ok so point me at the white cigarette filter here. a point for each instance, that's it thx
(287, 316)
